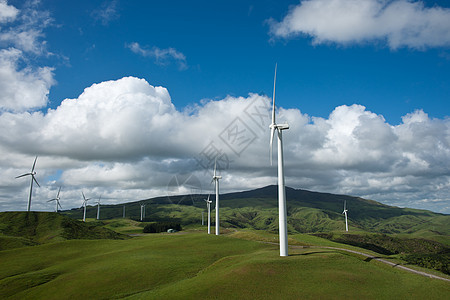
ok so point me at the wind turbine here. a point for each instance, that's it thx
(216, 183)
(98, 208)
(84, 204)
(282, 214)
(57, 200)
(124, 211)
(32, 173)
(345, 213)
(208, 205)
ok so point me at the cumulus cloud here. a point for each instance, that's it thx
(399, 23)
(161, 56)
(125, 139)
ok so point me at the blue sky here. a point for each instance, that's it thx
(230, 51)
(387, 61)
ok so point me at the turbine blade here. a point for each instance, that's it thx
(273, 97)
(34, 164)
(34, 178)
(58, 192)
(272, 133)
(51, 200)
(23, 175)
(208, 196)
(215, 165)
(345, 202)
(59, 205)
(83, 196)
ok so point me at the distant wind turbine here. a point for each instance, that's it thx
(216, 183)
(98, 208)
(282, 214)
(124, 211)
(208, 205)
(84, 204)
(57, 198)
(345, 213)
(32, 173)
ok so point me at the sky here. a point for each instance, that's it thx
(129, 100)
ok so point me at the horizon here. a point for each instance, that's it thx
(135, 99)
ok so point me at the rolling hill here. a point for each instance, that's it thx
(18, 229)
(308, 212)
(197, 265)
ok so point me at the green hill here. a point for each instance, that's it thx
(18, 229)
(197, 265)
(308, 212)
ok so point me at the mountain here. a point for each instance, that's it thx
(308, 212)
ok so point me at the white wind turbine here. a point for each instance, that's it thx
(345, 213)
(32, 173)
(98, 208)
(216, 183)
(282, 214)
(57, 198)
(84, 204)
(208, 205)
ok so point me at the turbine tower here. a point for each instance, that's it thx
(282, 214)
(142, 210)
(124, 211)
(345, 213)
(84, 204)
(208, 205)
(32, 173)
(216, 183)
(57, 198)
(98, 208)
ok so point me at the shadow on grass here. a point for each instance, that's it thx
(369, 259)
(309, 253)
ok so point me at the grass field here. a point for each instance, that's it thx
(195, 265)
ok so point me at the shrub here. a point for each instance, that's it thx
(161, 227)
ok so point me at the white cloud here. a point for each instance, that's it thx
(26, 34)
(25, 88)
(107, 12)
(124, 139)
(7, 12)
(399, 23)
(161, 56)
(23, 85)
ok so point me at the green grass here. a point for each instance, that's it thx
(197, 265)
(19, 229)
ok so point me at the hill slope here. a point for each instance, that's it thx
(307, 212)
(19, 229)
(193, 266)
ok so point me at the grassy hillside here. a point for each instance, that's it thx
(18, 229)
(194, 266)
(308, 212)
